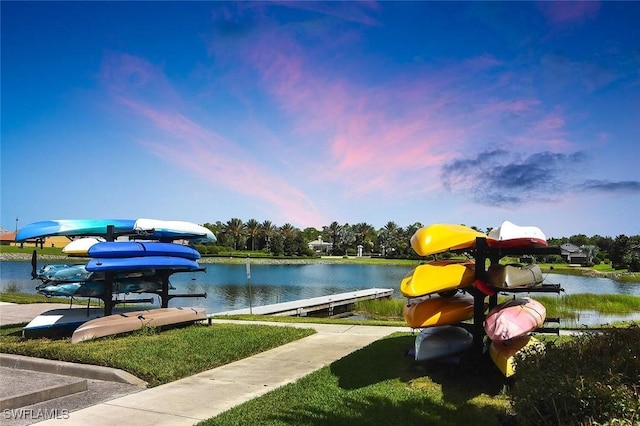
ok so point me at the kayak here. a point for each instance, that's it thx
(130, 321)
(509, 235)
(437, 311)
(63, 273)
(441, 342)
(514, 318)
(60, 322)
(80, 247)
(438, 276)
(141, 264)
(173, 230)
(443, 237)
(504, 354)
(514, 276)
(121, 249)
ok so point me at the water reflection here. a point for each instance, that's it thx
(593, 318)
(574, 284)
(227, 287)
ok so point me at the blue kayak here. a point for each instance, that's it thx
(145, 229)
(141, 249)
(63, 273)
(75, 227)
(122, 264)
(142, 284)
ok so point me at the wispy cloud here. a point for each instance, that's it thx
(377, 135)
(303, 92)
(605, 186)
(499, 176)
(183, 142)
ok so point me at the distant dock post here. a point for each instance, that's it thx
(248, 264)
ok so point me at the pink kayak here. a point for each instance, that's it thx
(514, 318)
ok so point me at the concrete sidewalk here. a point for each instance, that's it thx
(207, 394)
(199, 397)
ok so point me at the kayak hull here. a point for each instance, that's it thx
(441, 342)
(438, 311)
(127, 322)
(141, 264)
(509, 235)
(443, 237)
(438, 276)
(123, 249)
(514, 318)
(514, 276)
(80, 247)
(504, 354)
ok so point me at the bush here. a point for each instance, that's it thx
(590, 379)
(215, 249)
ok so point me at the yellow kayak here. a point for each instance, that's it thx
(438, 276)
(443, 237)
(503, 353)
(438, 311)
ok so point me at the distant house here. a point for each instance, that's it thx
(6, 238)
(9, 238)
(320, 247)
(571, 253)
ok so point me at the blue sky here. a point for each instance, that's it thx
(308, 113)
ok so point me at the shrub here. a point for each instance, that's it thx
(214, 249)
(591, 379)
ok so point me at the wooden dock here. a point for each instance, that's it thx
(305, 306)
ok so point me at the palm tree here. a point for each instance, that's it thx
(268, 230)
(235, 228)
(288, 233)
(333, 231)
(253, 229)
(390, 235)
(287, 230)
(365, 234)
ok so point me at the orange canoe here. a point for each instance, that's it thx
(438, 311)
(443, 237)
(438, 276)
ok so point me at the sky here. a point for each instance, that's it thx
(313, 112)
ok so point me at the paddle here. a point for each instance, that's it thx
(34, 265)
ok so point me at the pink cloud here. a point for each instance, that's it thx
(369, 132)
(191, 146)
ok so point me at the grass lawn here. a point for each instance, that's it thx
(380, 385)
(163, 357)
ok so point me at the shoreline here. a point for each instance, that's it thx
(585, 272)
(26, 257)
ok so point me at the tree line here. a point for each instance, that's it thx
(391, 241)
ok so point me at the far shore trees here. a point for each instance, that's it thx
(391, 240)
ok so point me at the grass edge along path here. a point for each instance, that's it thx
(159, 358)
(381, 385)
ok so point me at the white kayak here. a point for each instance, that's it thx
(509, 235)
(441, 342)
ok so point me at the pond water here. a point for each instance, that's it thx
(227, 286)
